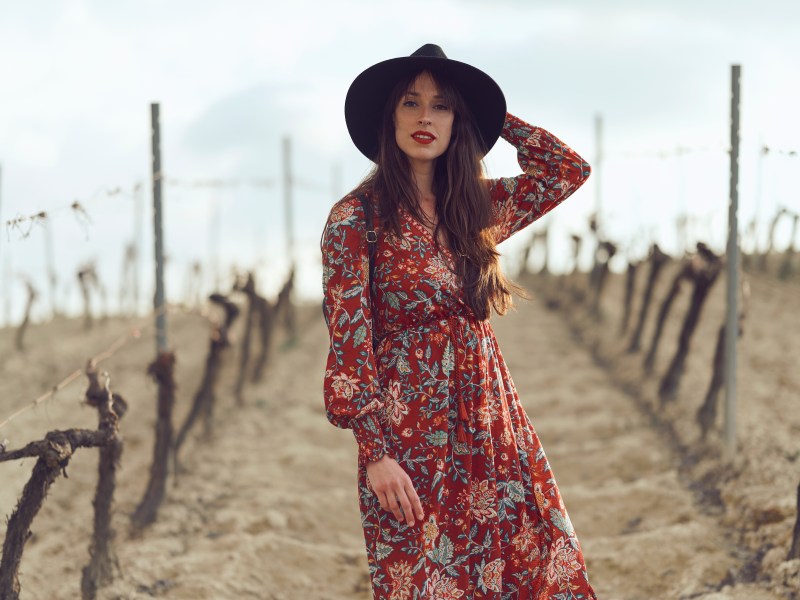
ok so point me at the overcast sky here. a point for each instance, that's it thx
(233, 78)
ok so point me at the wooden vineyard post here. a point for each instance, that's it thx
(732, 279)
(597, 169)
(286, 308)
(163, 368)
(594, 270)
(138, 246)
(595, 223)
(707, 413)
(159, 302)
(657, 261)
(287, 199)
(288, 182)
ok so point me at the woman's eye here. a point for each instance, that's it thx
(409, 103)
(442, 107)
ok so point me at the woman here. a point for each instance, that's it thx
(457, 498)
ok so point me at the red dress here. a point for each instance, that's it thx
(437, 396)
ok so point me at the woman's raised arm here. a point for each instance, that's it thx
(551, 172)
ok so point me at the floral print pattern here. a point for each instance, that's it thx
(436, 395)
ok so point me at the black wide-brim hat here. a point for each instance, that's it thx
(369, 92)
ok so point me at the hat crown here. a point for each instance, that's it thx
(430, 51)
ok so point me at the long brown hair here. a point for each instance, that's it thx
(463, 207)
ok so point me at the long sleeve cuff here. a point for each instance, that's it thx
(515, 130)
(369, 436)
(511, 121)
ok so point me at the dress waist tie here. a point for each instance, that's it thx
(462, 359)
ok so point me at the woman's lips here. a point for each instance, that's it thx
(423, 137)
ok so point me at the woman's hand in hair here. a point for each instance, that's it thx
(394, 489)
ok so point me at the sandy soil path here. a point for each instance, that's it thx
(642, 533)
(268, 508)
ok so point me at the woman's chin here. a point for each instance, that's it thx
(422, 153)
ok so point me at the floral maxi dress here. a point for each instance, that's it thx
(436, 396)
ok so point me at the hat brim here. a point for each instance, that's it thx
(369, 92)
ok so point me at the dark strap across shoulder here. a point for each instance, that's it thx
(372, 236)
(372, 239)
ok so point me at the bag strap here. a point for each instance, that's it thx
(372, 239)
(372, 236)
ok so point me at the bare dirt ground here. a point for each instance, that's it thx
(268, 508)
(754, 496)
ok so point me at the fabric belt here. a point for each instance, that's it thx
(462, 363)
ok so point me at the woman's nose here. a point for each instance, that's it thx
(424, 116)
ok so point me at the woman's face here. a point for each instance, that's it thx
(423, 122)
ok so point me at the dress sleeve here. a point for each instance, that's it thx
(351, 390)
(551, 172)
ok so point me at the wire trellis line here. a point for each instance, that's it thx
(133, 333)
(24, 224)
(680, 151)
(765, 150)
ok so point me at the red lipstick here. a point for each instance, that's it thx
(423, 137)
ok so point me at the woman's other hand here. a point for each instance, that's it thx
(394, 489)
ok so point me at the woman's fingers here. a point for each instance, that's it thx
(383, 499)
(390, 504)
(416, 505)
(394, 506)
(405, 503)
(395, 491)
(402, 504)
